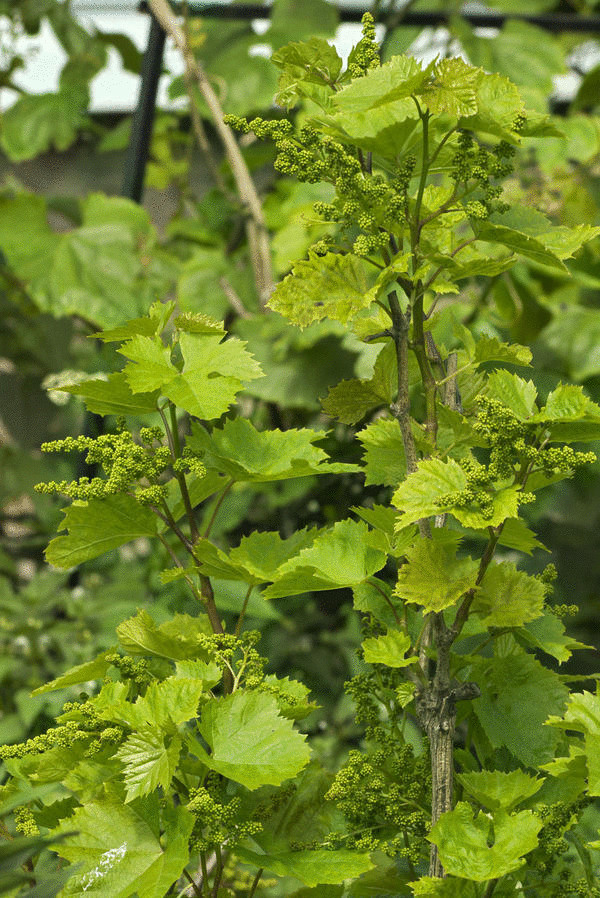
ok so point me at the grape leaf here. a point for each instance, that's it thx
(81, 673)
(175, 639)
(250, 742)
(395, 80)
(583, 716)
(511, 390)
(390, 649)
(119, 850)
(490, 349)
(28, 242)
(477, 848)
(517, 535)
(423, 492)
(257, 558)
(112, 396)
(312, 867)
(150, 325)
(350, 400)
(508, 597)
(347, 554)
(517, 696)
(433, 576)
(38, 122)
(213, 374)
(249, 455)
(548, 634)
(149, 760)
(567, 403)
(96, 526)
(333, 286)
(498, 104)
(432, 488)
(149, 367)
(384, 458)
(314, 61)
(374, 597)
(453, 88)
(574, 335)
(428, 887)
(495, 789)
(213, 371)
(291, 697)
(530, 247)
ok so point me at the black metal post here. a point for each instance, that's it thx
(143, 118)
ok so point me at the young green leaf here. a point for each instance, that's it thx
(214, 372)
(311, 866)
(150, 325)
(176, 639)
(346, 555)
(517, 535)
(508, 597)
(390, 649)
(119, 847)
(433, 576)
(548, 634)
(257, 558)
(498, 105)
(511, 390)
(518, 242)
(149, 367)
(249, 455)
(567, 403)
(333, 286)
(350, 400)
(496, 789)
(149, 760)
(477, 848)
(423, 492)
(452, 89)
(430, 887)
(81, 673)
(308, 62)
(250, 742)
(385, 463)
(97, 526)
(113, 396)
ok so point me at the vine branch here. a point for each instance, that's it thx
(256, 229)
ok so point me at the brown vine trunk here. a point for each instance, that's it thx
(437, 714)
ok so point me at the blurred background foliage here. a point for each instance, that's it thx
(74, 260)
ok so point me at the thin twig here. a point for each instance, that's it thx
(234, 301)
(196, 120)
(216, 509)
(238, 626)
(256, 229)
(193, 883)
(254, 885)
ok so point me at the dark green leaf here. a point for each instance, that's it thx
(518, 695)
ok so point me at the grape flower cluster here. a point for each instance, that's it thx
(129, 467)
(516, 450)
(215, 821)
